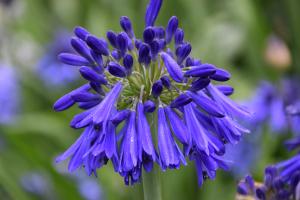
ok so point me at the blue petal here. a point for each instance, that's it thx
(184, 52)
(197, 131)
(220, 75)
(66, 101)
(148, 35)
(81, 33)
(199, 171)
(77, 159)
(199, 84)
(91, 75)
(144, 134)
(122, 43)
(111, 146)
(230, 106)
(126, 26)
(116, 70)
(88, 105)
(157, 88)
(179, 35)
(144, 51)
(98, 59)
(178, 127)
(206, 104)
(201, 71)
(172, 67)
(82, 49)
(102, 112)
(119, 116)
(77, 119)
(112, 38)
(181, 100)
(152, 12)
(150, 106)
(84, 96)
(97, 45)
(75, 146)
(71, 59)
(171, 29)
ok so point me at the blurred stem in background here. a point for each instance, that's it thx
(151, 180)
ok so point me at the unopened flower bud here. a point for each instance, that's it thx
(126, 26)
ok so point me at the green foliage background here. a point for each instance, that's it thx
(230, 34)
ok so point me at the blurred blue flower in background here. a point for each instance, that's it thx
(269, 108)
(269, 102)
(38, 183)
(90, 189)
(244, 155)
(49, 69)
(9, 95)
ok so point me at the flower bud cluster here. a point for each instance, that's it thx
(141, 80)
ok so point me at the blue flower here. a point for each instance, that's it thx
(38, 183)
(152, 12)
(169, 88)
(245, 155)
(90, 189)
(290, 166)
(272, 188)
(146, 150)
(276, 106)
(50, 69)
(206, 165)
(126, 25)
(171, 29)
(170, 154)
(9, 95)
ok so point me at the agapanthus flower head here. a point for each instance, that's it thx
(51, 70)
(140, 83)
(276, 105)
(272, 188)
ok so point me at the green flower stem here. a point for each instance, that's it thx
(107, 76)
(112, 58)
(131, 86)
(134, 82)
(151, 180)
(148, 79)
(145, 78)
(105, 89)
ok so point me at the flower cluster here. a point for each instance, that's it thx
(269, 103)
(151, 92)
(273, 187)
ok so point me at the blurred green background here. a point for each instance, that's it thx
(231, 34)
